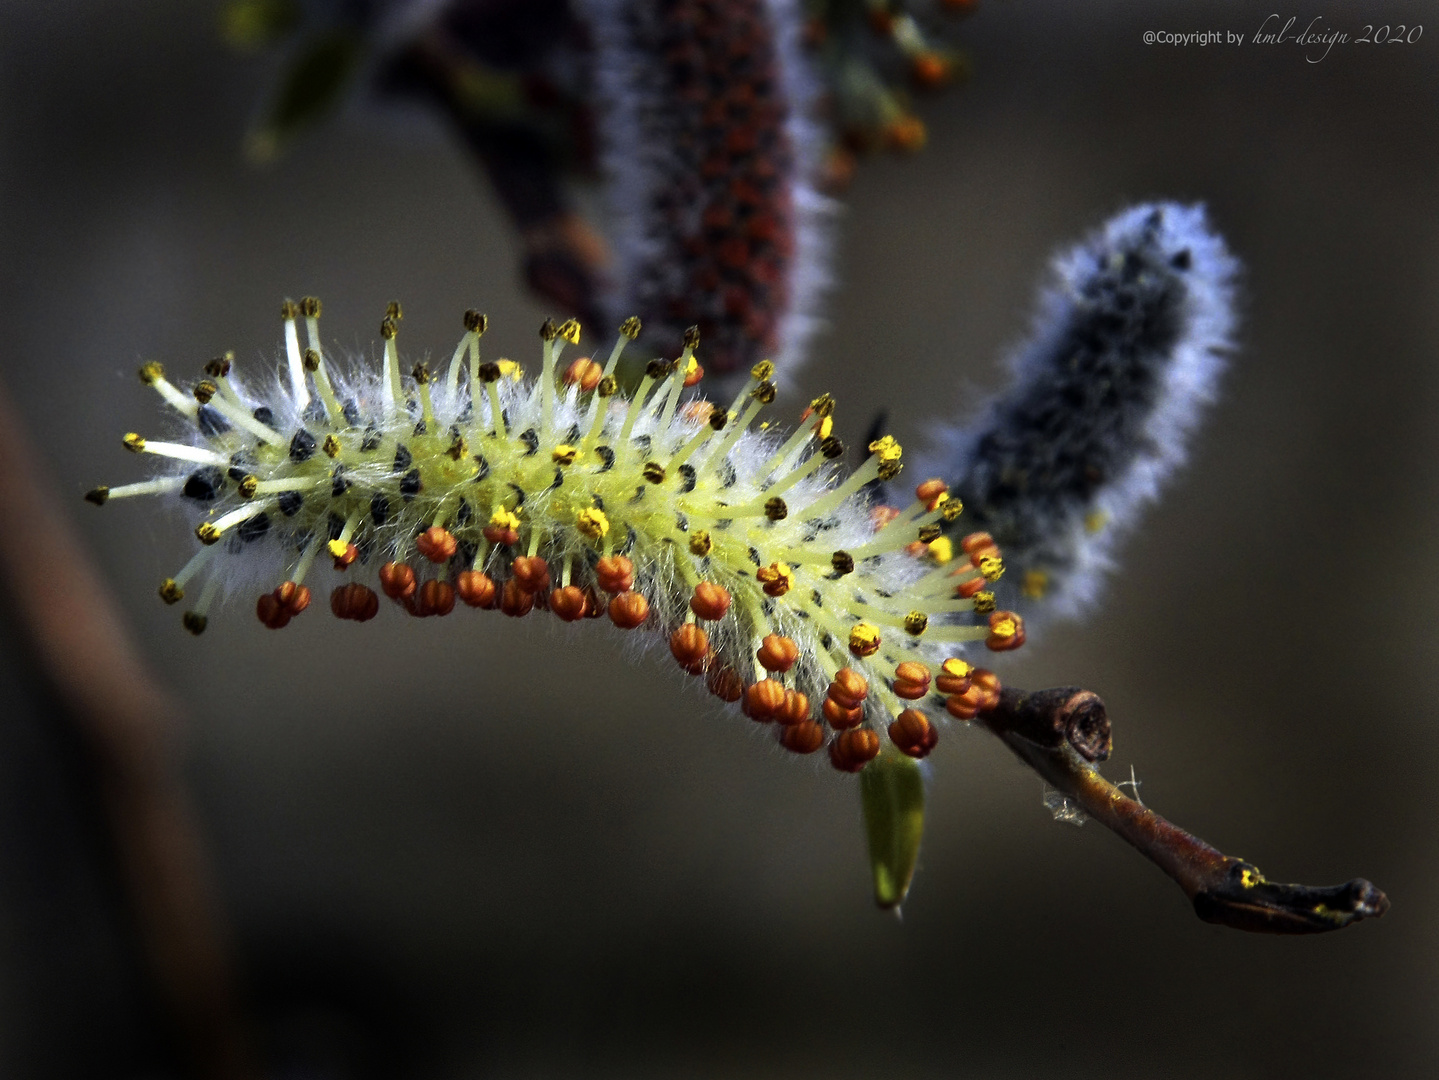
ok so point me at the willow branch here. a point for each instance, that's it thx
(1061, 733)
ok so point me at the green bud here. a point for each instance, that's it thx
(892, 792)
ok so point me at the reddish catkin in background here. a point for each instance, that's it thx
(710, 154)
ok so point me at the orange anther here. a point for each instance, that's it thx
(976, 541)
(795, 709)
(693, 376)
(954, 676)
(616, 574)
(515, 599)
(778, 653)
(532, 572)
(689, 645)
(907, 134)
(911, 680)
(271, 612)
(710, 601)
(435, 598)
(724, 683)
(966, 705)
(502, 535)
(848, 689)
(804, 737)
(930, 70)
(777, 578)
(628, 609)
(436, 544)
(347, 559)
(354, 601)
(476, 589)
(841, 717)
(293, 598)
(979, 555)
(696, 409)
(930, 489)
(763, 700)
(568, 604)
(913, 733)
(1006, 631)
(584, 372)
(864, 639)
(880, 516)
(852, 750)
(966, 589)
(912, 671)
(398, 580)
(987, 683)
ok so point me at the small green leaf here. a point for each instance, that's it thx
(892, 791)
(252, 24)
(313, 85)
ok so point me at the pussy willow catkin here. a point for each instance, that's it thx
(1127, 348)
(756, 558)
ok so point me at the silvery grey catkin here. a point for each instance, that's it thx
(1126, 351)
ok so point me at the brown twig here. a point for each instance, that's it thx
(1061, 733)
(124, 720)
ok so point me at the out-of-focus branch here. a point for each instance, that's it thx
(124, 720)
(1060, 733)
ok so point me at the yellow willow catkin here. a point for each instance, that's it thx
(759, 561)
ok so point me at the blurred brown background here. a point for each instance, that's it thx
(466, 847)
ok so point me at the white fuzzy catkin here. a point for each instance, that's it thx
(460, 481)
(1126, 352)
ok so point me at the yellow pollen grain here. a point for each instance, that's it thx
(886, 449)
(992, 567)
(957, 668)
(504, 519)
(1035, 584)
(983, 602)
(778, 574)
(592, 523)
(564, 454)
(863, 639)
(510, 368)
(337, 548)
(1003, 628)
(942, 550)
